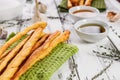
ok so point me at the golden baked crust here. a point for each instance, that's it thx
(69, 4)
(26, 53)
(40, 42)
(81, 2)
(88, 2)
(21, 56)
(42, 52)
(75, 2)
(13, 53)
(20, 34)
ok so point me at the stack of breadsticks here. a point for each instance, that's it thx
(72, 3)
(36, 46)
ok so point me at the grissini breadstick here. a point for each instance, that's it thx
(14, 52)
(41, 52)
(88, 2)
(51, 38)
(20, 34)
(75, 2)
(21, 56)
(69, 4)
(81, 2)
(7, 52)
(40, 42)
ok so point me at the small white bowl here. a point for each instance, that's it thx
(91, 37)
(76, 18)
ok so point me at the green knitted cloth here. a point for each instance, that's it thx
(43, 69)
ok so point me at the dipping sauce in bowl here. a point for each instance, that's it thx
(91, 28)
(87, 13)
(83, 12)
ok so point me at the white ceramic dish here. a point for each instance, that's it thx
(76, 18)
(88, 36)
(10, 9)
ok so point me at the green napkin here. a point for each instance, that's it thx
(63, 6)
(99, 4)
(43, 69)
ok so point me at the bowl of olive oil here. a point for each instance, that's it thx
(91, 30)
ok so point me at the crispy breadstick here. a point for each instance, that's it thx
(81, 2)
(51, 38)
(20, 34)
(88, 2)
(5, 54)
(40, 42)
(14, 52)
(41, 52)
(69, 4)
(8, 51)
(75, 2)
(21, 56)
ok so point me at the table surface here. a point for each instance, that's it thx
(86, 64)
